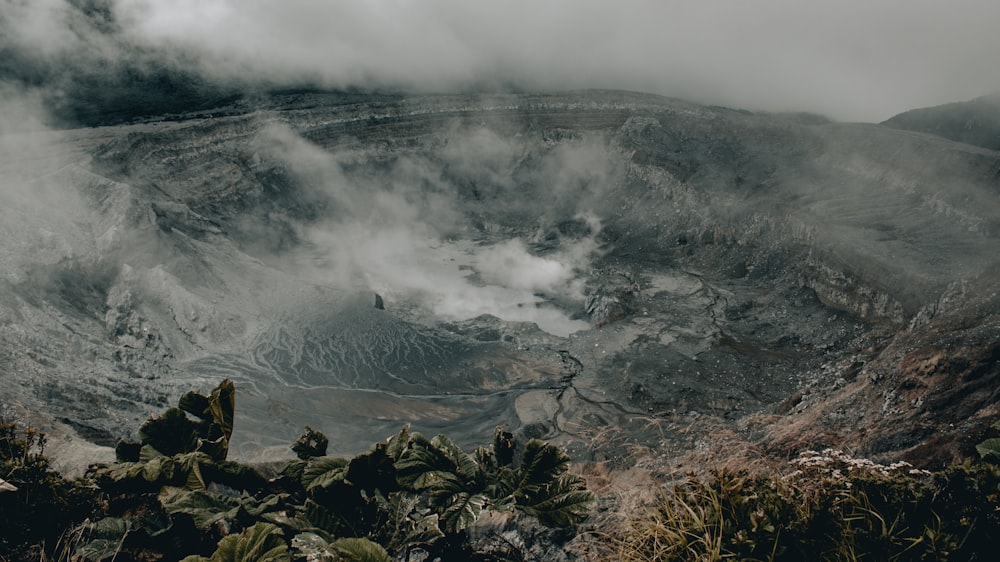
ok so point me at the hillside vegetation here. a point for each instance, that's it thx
(174, 495)
(975, 122)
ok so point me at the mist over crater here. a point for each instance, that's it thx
(566, 265)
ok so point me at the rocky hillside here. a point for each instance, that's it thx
(611, 271)
(975, 122)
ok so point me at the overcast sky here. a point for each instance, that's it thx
(861, 60)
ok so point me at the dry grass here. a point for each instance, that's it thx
(684, 526)
(821, 506)
(66, 547)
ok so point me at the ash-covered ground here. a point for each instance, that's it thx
(616, 272)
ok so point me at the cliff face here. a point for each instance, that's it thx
(928, 394)
(598, 268)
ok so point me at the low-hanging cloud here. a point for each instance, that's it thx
(851, 59)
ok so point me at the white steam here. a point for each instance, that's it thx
(42, 217)
(510, 265)
(401, 234)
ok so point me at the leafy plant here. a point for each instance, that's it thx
(989, 449)
(174, 494)
(199, 423)
(451, 480)
(313, 547)
(541, 487)
(262, 542)
(459, 487)
(413, 491)
(408, 522)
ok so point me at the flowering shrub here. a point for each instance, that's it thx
(837, 464)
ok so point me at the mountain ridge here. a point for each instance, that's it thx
(975, 122)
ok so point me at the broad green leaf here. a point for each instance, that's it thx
(262, 542)
(117, 474)
(195, 480)
(153, 471)
(291, 525)
(462, 511)
(223, 407)
(187, 469)
(451, 478)
(359, 550)
(501, 489)
(439, 481)
(562, 503)
(179, 470)
(294, 470)
(465, 466)
(542, 464)
(204, 508)
(310, 546)
(420, 460)
(322, 472)
(989, 450)
(235, 475)
(273, 502)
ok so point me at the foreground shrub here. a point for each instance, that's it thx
(173, 495)
(827, 506)
(36, 504)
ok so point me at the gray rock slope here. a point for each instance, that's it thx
(590, 267)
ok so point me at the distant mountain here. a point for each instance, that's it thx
(975, 122)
